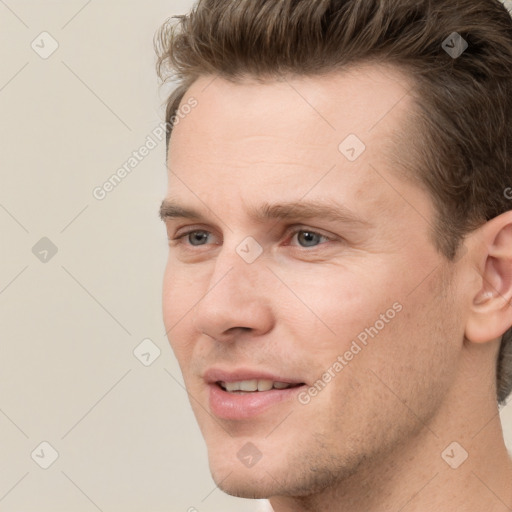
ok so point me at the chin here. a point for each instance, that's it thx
(249, 484)
(233, 477)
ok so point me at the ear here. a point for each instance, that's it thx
(490, 312)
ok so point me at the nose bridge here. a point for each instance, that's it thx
(236, 295)
(237, 271)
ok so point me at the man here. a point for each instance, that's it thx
(339, 283)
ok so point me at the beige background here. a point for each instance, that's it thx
(124, 432)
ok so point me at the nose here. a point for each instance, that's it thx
(237, 298)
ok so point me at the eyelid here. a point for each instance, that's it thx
(186, 230)
(289, 232)
(293, 230)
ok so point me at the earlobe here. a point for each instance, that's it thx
(490, 312)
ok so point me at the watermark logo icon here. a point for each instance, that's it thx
(44, 455)
(249, 250)
(454, 455)
(249, 455)
(44, 250)
(352, 147)
(44, 45)
(454, 45)
(146, 352)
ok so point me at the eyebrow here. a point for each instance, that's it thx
(267, 211)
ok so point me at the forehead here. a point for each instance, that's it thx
(363, 98)
(317, 135)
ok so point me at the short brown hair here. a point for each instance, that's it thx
(459, 142)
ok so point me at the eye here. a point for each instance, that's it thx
(308, 238)
(195, 238)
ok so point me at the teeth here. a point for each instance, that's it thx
(254, 385)
(249, 385)
(264, 385)
(281, 385)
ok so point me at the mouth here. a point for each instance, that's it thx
(249, 399)
(243, 394)
(255, 386)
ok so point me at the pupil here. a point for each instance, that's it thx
(198, 236)
(308, 237)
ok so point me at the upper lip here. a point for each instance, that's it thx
(213, 375)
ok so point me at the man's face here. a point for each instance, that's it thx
(355, 312)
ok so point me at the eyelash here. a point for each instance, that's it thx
(290, 234)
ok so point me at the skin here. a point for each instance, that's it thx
(373, 439)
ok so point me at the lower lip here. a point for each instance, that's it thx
(234, 406)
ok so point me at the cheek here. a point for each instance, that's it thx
(413, 359)
(399, 379)
(334, 305)
(387, 330)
